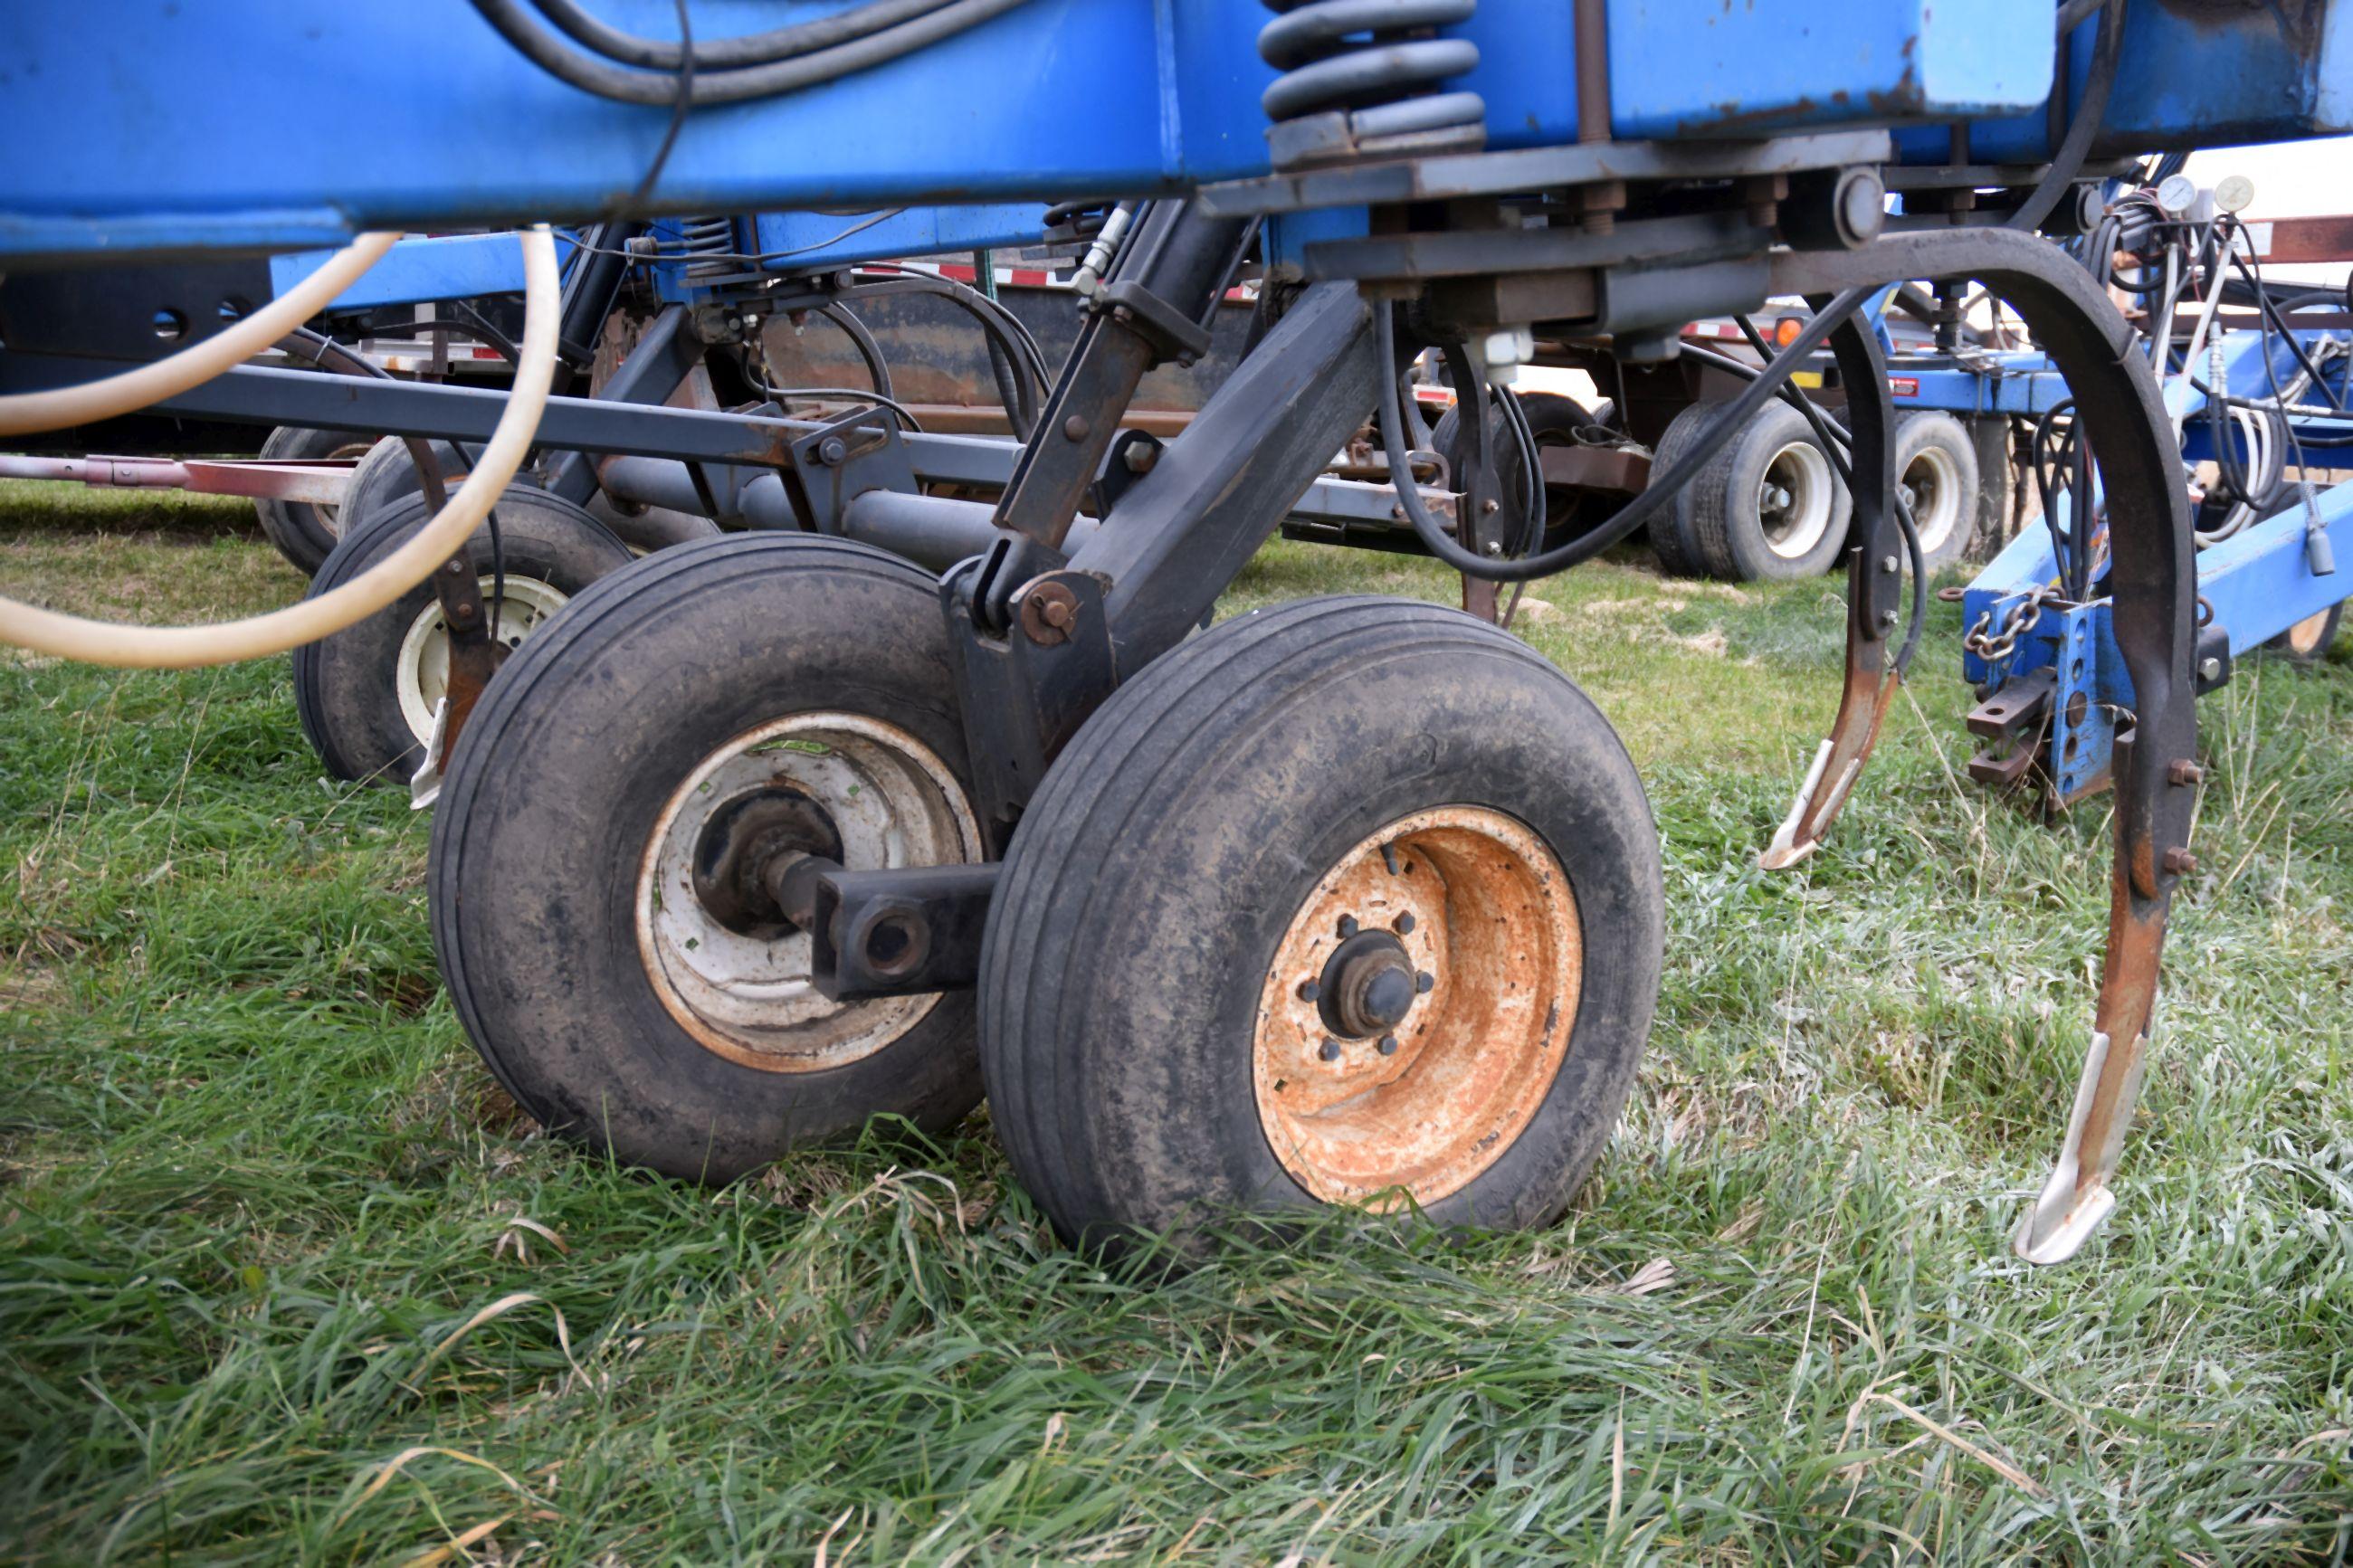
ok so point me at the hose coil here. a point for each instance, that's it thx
(1360, 79)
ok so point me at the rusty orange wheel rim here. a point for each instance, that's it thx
(1362, 1102)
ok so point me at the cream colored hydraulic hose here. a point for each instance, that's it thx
(109, 642)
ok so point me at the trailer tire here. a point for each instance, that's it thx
(2309, 641)
(366, 695)
(1142, 1015)
(1738, 535)
(1554, 421)
(304, 531)
(667, 696)
(1670, 532)
(1936, 462)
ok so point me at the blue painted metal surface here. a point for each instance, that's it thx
(156, 123)
(459, 266)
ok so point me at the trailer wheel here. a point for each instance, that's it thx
(1554, 420)
(366, 696)
(305, 531)
(1348, 901)
(719, 700)
(2309, 640)
(1937, 466)
(1770, 506)
(1671, 529)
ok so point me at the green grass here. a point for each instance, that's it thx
(281, 1281)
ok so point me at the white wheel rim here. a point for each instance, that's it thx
(423, 672)
(748, 998)
(1933, 482)
(1793, 501)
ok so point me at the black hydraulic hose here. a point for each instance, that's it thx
(605, 79)
(2067, 158)
(1833, 438)
(730, 54)
(878, 366)
(1621, 523)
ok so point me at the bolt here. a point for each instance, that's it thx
(1388, 1044)
(2184, 772)
(1056, 612)
(2209, 670)
(1491, 506)
(831, 450)
(1348, 925)
(1887, 618)
(1309, 991)
(1074, 428)
(1888, 563)
(1494, 547)
(2180, 863)
(1424, 981)
(1141, 457)
(1404, 924)
(1397, 511)
(1329, 1050)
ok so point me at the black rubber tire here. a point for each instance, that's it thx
(346, 691)
(1672, 537)
(2311, 648)
(389, 473)
(534, 870)
(1552, 419)
(304, 534)
(1727, 528)
(1157, 868)
(1931, 436)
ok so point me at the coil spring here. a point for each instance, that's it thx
(1358, 78)
(703, 237)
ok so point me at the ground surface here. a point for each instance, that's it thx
(283, 1279)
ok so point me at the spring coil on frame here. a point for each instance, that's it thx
(712, 238)
(1360, 77)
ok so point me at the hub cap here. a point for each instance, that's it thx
(1448, 1073)
(1932, 483)
(1793, 501)
(423, 675)
(737, 979)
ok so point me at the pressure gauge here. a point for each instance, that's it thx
(2234, 194)
(2178, 195)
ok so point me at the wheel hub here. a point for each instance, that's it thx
(740, 845)
(1367, 985)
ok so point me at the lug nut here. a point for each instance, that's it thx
(1329, 1051)
(1348, 925)
(1388, 1044)
(1309, 991)
(1423, 982)
(1403, 925)
(2180, 863)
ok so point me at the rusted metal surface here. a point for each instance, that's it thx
(474, 652)
(2303, 239)
(320, 483)
(1429, 1093)
(1049, 611)
(1621, 470)
(2154, 577)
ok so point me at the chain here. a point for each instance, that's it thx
(1995, 647)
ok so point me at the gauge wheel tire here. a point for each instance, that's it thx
(1738, 534)
(1141, 1021)
(305, 533)
(366, 695)
(1554, 421)
(2309, 640)
(689, 694)
(1936, 463)
(387, 472)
